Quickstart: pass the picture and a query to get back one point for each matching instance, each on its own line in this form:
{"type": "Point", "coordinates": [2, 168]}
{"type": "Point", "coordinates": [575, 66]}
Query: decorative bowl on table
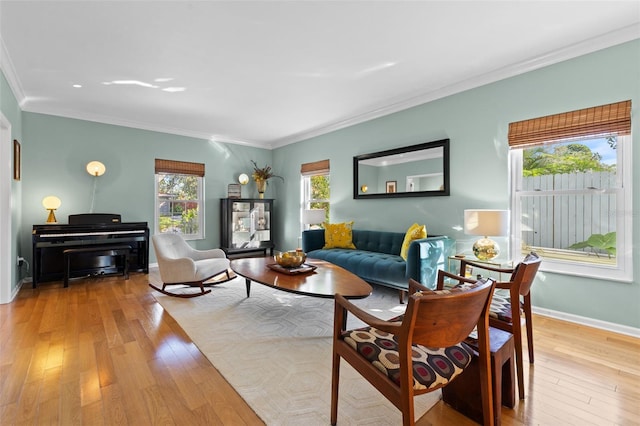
{"type": "Point", "coordinates": [290, 259]}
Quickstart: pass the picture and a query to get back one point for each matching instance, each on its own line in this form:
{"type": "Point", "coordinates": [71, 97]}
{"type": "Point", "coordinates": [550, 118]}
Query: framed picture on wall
{"type": "Point", "coordinates": [391, 186]}
{"type": "Point", "coordinates": [16, 160]}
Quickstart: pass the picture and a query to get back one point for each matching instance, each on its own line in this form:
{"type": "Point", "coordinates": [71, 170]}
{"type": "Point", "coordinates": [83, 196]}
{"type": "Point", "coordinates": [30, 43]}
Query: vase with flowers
{"type": "Point", "coordinates": [261, 176]}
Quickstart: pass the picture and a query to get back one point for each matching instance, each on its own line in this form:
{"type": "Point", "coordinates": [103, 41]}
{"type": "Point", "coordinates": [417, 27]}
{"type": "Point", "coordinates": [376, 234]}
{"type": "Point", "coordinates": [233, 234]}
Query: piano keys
{"type": "Point", "coordinates": [83, 231]}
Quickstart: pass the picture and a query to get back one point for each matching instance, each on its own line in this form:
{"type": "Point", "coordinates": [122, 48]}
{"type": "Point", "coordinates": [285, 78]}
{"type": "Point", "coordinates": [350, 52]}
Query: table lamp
{"type": "Point", "coordinates": [51, 203]}
{"type": "Point", "coordinates": [313, 216]}
{"type": "Point", "coordinates": [486, 223]}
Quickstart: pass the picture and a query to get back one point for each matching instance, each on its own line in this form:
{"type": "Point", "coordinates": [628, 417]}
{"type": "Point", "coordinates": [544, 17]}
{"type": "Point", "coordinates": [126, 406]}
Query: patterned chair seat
{"type": "Point", "coordinates": [501, 305]}
{"type": "Point", "coordinates": [431, 367]}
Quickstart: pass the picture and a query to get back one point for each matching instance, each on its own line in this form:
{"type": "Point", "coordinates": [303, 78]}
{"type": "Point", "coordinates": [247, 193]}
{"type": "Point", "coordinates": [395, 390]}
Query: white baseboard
{"type": "Point", "coordinates": [603, 325]}
{"type": "Point", "coordinates": [16, 290]}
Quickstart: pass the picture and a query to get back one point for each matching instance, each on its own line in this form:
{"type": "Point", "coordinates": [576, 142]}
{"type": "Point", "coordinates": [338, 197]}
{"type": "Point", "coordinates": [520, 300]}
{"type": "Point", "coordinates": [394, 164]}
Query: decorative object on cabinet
{"type": "Point", "coordinates": [246, 225]}
{"type": "Point", "coordinates": [485, 223]}
{"type": "Point", "coordinates": [234, 190]}
{"type": "Point", "coordinates": [262, 176]}
{"type": "Point", "coordinates": [51, 203]}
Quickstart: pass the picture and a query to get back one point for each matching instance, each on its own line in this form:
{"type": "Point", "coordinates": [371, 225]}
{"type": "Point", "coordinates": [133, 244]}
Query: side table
{"type": "Point", "coordinates": [494, 263]}
{"type": "Point", "coordinates": [463, 394]}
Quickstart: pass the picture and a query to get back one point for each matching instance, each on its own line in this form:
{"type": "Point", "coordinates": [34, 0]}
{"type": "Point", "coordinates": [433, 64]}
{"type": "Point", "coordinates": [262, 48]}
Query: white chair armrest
{"type": "Point", "coordinates": [178, 270]}
{"type": "Point", "coordinates": [207, 254]}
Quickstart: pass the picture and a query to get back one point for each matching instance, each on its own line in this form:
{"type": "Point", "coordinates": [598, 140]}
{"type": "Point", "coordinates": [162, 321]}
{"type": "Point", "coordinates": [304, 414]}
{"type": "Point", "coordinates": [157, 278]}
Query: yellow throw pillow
{"type": "Point", "coordinates": [338, 235]}
{"type": "Point", "coordinates": [415, 232]}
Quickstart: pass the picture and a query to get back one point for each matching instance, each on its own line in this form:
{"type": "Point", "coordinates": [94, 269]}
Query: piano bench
{"type": "Point", "coordinates": [122, 250]}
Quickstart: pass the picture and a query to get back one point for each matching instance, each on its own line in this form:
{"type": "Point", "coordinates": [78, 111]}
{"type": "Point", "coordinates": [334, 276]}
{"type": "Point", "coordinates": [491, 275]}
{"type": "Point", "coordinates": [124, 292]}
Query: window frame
{"type": "Point", "coordinates": [623, 270]}
{"type": "Point", "coordinates": [306, 195]}
{"type": "Point", "coordinates": [199, 201]}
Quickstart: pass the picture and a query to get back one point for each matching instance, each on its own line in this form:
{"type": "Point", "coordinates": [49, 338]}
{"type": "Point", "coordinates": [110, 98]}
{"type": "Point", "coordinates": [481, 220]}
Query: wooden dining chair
{"type": "Point", "coordinates": [420, 351]}
{"type": "Point", "coordinates": [506, 315]}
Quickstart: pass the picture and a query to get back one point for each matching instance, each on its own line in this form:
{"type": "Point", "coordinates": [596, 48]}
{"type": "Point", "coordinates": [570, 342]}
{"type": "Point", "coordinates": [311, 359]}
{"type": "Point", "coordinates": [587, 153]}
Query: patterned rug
{"type": "Point", "coordinates": [275, 350]}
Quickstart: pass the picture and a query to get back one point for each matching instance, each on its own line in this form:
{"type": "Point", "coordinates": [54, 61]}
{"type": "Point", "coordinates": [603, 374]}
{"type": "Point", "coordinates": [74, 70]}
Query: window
{"type": "Point", "coordinates": [571, 191]}
{"type": "Point", "coordinates": [179, 190]}
{"type": "Point", "coordinates": [316, 188]}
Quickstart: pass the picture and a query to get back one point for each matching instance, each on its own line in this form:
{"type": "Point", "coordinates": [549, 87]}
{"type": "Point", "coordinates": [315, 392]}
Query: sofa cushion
{"type": "Point", "coordinates": [373, 267]}
{"type": "Point", "coordinates": [415, 232]}
{"type": "Point", "coordinates": [338, 235]}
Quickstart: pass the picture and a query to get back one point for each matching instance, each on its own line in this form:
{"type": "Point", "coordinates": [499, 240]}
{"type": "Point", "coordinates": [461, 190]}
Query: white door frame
{"type": "Point", "coordinates": [6, 178]}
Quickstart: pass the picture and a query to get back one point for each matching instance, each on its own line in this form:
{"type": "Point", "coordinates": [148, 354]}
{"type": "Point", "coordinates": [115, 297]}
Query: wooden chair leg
{"type": "Point", "coordinates": [335, 379]}
{"type": "Point", "coordinates": [517, 338]}
{"type": "Point", "coordinates": [529, 325]}
{"type": "Point", "coordinates": [401, 296]}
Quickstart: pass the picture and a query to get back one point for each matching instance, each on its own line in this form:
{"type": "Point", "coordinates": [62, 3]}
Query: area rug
{"type": "Point", "coordinates": [274, 348]}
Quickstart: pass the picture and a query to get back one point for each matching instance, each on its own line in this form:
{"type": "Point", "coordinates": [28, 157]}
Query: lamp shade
{"type": "Point", "coordinates": [96, 168]}
{"type": "Point", "coordinates": [486, 223]}
{"type": "Point", "coordinates": [243, 179]}
{"type": "Point", "coordinates": [51, 202]}
{"type": "Point", "coordinates": [313, 216]}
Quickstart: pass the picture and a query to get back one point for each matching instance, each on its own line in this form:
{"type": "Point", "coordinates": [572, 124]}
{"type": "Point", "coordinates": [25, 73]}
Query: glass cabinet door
{"type": "Point", "coordinates": [246, 224]}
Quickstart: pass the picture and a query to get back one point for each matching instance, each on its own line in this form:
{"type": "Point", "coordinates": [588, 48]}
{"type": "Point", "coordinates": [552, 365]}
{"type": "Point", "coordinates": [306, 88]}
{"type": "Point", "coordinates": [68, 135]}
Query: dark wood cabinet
{"type": "Point", "coordinates": [246, 225]}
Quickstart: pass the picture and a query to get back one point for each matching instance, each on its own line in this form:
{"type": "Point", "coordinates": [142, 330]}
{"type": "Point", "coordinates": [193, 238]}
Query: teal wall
{"type": "Point", "coordinates": [11, 111]}
{"type": "Point", "coordinates": [56, 150]}
{"type": "Point", "coordinates": [476, 122]}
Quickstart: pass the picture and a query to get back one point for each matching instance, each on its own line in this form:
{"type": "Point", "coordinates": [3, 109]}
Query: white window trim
{"type": "Point", "coordinates": [623, 271]}
{"type": "Point", "coordinates": [201, 216]}
{"type": "Point", "coordinates": [305, 195]}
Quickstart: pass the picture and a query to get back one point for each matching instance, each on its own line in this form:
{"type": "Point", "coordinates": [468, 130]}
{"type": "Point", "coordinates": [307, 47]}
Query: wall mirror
{"type": "Point", "coordinates": [412, 171]}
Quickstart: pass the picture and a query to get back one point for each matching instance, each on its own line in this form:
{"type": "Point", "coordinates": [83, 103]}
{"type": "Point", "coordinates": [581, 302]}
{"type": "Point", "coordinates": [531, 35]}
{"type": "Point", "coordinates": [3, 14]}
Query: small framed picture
{"type": "Point", "coordinates": [16, 160]}
{"type": "Point", "coordinates": [233, 190]}
{"type": "Point", "coordinates": [391, 186]}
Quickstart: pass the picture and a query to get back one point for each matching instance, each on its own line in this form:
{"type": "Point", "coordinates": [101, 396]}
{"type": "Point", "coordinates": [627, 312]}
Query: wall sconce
{"type": "Point", "coordinates": [486, 223]}
{"type": "Point", "coordinates": [51, 203]}
{"type": "Point", "coordinates": [243, 179]}
{"type": "Point", "coordinates": [96, 168]}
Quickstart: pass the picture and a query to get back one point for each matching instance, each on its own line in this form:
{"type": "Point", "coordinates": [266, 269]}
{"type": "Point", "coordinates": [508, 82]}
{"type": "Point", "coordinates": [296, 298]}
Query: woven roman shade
{"type": "Point", "coordinates": [315, 168]}
{"type": "Point", "coordinates": [611, 119]}
{"type": "Point", "coordinates": [179, 167]}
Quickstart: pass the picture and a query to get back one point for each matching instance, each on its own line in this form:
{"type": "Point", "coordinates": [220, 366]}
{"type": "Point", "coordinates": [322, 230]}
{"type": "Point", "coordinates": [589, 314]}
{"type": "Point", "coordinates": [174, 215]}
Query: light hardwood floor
{"type": "Point", "coordinates": [103, 351]}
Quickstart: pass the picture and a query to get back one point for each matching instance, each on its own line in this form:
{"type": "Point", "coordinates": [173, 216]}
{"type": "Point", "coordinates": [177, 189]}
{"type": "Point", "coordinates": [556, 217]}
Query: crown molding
{"type": "Point", "coordinates": [594, 44]}
{"type": "Point", "coordinates": [103, 119]}
{"type": "Point", "coordinates": [6, 65]}
{"type": "Point", "coordinates": [623, 35]}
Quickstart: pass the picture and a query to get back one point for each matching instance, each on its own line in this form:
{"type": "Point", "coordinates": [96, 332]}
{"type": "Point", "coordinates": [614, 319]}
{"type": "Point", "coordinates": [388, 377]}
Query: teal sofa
{"type": "Point", "coordinates": [377, 260]}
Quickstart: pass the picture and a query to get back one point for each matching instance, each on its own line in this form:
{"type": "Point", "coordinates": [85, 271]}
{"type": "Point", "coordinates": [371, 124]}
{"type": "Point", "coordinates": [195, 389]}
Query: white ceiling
{"type": "Point", "coordinates": [269, 73]}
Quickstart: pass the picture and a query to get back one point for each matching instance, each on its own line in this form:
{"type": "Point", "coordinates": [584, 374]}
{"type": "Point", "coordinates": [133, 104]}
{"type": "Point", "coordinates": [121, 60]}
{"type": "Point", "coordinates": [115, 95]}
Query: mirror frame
{"type": "Point", "coordinates": [444, 143]}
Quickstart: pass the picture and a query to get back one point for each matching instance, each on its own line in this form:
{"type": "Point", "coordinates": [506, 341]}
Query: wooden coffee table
{"type": "Point", "coordinates": [325, 281]}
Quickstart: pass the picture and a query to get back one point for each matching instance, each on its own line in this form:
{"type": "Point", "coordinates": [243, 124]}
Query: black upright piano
{"type": "Point", "coordinates": [88, 230]}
